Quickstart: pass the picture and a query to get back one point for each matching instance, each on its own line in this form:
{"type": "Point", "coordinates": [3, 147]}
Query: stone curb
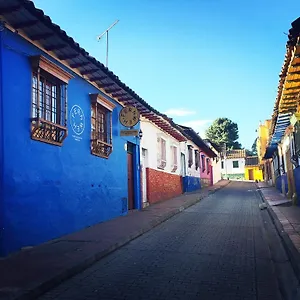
{"type": "Point", "coordinates": [81, 266]}
{"type": "Point", "coordinates": [289, 247]}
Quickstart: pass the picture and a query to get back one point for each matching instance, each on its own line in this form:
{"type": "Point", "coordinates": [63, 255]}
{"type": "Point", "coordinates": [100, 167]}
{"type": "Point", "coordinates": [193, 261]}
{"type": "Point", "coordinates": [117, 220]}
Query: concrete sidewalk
{"type": "Point", "coordinates": [286, 218]}
{"type": "Point", "coordinates": [29, 273]}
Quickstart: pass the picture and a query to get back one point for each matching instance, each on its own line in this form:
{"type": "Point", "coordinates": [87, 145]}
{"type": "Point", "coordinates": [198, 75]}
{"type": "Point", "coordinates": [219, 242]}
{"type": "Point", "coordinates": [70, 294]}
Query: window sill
{"type": "Point", "coordinates": [100, 148]}
{"type": "Point", "coordinates": [161, 165]}
{"type": "Point", "coordinates": [48, 132]}
{"type": "Point", "coordinates": [174, 169]}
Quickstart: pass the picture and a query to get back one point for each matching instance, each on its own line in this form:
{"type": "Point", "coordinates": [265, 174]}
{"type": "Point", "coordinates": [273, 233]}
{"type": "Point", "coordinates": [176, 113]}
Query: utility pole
{"type": "Point", "coordinates": [106, 33]}
{"type": "Point", "coordinates": [225, 162]}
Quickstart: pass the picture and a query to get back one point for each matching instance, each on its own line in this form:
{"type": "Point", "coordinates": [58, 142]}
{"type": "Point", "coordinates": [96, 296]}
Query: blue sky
{"type": "Point", "coordinates": [197, 60]}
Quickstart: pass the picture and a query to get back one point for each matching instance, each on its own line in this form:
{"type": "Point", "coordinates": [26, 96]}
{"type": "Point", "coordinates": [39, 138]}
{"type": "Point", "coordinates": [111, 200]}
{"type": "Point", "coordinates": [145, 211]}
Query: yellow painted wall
{"type": "Point", "coordinates": [257, 173]}
{"type": "Point", "coordinates": [263, 137]}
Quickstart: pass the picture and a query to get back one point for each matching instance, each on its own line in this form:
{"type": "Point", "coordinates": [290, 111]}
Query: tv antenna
{"type": "Point", "coordinates": [106, 33]}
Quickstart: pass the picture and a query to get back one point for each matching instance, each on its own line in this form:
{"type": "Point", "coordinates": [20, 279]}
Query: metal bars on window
{"type": "Point", "coordinates": [190, 156]}
{"type": "Point", "coordinates": [197, 159]}
{"type": "Point", "coordinates": [49, 99]}
{"type": "Point", "coordinates": [297, 139]}
{"type": "Point", "coordinates": [203, 162]}
{"type": "Point", "coordinates": [49, 108]}
{"type": "Point", "coordinates": [101, 140]}
{"type": "Point", "coordinates": [208, 166]}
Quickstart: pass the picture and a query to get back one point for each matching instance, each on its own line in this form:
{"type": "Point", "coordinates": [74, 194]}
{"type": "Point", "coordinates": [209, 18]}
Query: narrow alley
{"type": "Point", "coordinates": [224, 247]}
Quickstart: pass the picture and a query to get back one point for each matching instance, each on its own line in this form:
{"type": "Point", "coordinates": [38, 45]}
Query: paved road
{"type": "Point", "coordinates": [220, 248]}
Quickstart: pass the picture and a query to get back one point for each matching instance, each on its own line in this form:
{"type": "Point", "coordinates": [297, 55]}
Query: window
{"type": "Point", "coordinates": [222, 164]}
{"type": "Point", "coordinates": [294, 157]}
{"type": "Point", "coordinates": [101, 126]}
{"type": "Point", "coordinates": [208, 166]}
{"type": "Point", "coordinates": [49, 101]}
{"type": "Point", "coordinates": [190, 155]}
{"type": "Point", "coordinates": [197, 159]}
{"type": "Point", "coordinates": [282, 166]}
{"type": "Point", "coordinates": [174, 158]}
{"type": "Point", "coordinates": [276, 164]}
{"type": "Point", "coordinates": [161, 153]}
{"type": "Point", "coordinates": [235, 164]}
{"type": "Point", "coordinates": [203, 163]}
{"type": "Point", "coordinates": [297, 138]}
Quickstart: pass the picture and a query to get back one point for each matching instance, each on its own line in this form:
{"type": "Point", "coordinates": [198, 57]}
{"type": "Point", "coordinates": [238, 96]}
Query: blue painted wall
{"type": "Point", "coordinates": [278, 184]}
{"type": "Point", "coordinates": [191, 184]}
{"type": "Point", "coordinates": [48, 190]}
{"type": "Point", "coordinates": [1, 143]}
{"type": "Point", "coordinates": [297, 183]}
{"type": "Point", "coordinates": [285, 183]}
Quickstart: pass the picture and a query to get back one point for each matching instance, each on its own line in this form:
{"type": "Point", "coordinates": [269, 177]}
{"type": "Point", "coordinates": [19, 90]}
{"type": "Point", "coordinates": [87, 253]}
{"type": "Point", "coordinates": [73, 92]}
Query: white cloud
{"type": "Point", "coordinates": [179, 112]}
{"type": "Point", "coordinates": [199, 126]}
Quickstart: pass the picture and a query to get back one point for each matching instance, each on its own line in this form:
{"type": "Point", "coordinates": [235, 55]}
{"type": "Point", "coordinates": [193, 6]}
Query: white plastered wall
{"type": "Point", "coordinates": [228, 166]}
{"type": "Point", "coordinates": [184, 149]}
{"type": "Point", "coordinates": [149, 142]}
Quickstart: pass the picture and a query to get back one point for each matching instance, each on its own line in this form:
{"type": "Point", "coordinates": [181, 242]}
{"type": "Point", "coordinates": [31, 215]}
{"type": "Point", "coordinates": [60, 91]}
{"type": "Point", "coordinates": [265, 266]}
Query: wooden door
{"type": "Point", "coordinates": [250, 173]}
{"type": "Point", "coordinates": [130, 180]}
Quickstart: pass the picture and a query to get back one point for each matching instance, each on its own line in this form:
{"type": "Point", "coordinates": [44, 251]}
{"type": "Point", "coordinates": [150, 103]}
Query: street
{"type": "Point", "coordinates": [224, 247]}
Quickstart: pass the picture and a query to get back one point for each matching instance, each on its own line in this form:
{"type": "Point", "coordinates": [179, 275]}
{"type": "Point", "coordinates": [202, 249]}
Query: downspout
{"type": "Point", "coordinates": [2, 28]}
{"type": "Point", "coordinates": [137, 177]}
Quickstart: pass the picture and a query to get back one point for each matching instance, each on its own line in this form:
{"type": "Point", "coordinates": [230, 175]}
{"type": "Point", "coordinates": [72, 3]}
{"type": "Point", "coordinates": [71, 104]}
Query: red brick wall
{"type": "Point", "coordinates": [162, 186]}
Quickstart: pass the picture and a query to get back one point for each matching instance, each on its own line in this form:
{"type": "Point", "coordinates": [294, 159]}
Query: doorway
{"type": "Point", "coordinates": [250, 174]}
{"type": "Point", "coordinates": [130, 176]}
{"type": "Point", "coordinates": [183, 169]}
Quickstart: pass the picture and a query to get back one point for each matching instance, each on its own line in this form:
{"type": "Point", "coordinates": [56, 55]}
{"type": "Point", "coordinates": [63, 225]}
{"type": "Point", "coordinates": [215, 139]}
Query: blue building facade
{"type": "Point", "coordinates": [196, 162]}
{"type": "Point", "coordinates": [49, 189]}
{"type": "Point", "coordinates": [191, 184]}
{"type": "Point", "coordinates": [297, 182]}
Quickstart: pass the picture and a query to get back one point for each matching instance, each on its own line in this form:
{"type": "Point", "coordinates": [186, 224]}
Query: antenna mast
{"type": "Point", "coordinates": [106, 33]}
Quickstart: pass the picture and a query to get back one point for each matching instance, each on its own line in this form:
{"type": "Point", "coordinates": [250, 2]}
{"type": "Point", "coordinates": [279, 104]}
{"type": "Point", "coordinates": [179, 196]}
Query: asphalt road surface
{"type": "Point", "coordinates": [224, 247]}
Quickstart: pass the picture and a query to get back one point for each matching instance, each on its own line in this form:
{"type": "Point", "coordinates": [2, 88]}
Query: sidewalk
{"type": "Point", "coordinates": [286, 218]}
{"type": "Point", "coordinates": [31, 272]}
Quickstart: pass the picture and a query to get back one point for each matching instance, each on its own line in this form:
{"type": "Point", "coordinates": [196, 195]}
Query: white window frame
{"type": "Point", "coordinates": [161, 153]}
{"type": "Point", "coordinates": [174, 155]}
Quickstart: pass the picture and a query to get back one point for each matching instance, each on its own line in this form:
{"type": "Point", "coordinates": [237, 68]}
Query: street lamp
{"type": "Point", "coordinates": [140, 134]}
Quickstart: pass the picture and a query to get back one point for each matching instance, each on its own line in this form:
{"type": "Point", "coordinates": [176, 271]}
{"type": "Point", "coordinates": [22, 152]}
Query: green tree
{"type": "Point", "coordinates": [222, 131]}
{"type": "Point", "coordinates": [253, 148]}
{"type": "Point", "coordinates": [253, 151]}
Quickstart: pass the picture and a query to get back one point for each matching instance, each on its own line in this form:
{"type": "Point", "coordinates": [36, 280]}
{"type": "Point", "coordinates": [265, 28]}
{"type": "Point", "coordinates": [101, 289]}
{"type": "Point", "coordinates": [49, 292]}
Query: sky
{"type": "Point", "coordinates": [196, 60]}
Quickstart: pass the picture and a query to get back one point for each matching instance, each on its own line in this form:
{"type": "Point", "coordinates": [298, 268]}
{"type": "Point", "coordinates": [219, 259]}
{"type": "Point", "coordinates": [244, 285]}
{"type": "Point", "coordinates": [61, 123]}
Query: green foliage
{"type": "Point", "coordinates": [223, 130]}
{"type": "Point", "coordinates": [253, 148]}
{"type": "Point", "coordinates": [253, 151]}
{"type": "Point", "coordinates": [249, 152]}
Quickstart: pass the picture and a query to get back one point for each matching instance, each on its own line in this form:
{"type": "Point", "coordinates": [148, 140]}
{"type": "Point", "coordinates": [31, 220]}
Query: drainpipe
{"type": "Point", "coordinates": [2, 28]}
{"type": "Point", "coordinates": [137, 177]}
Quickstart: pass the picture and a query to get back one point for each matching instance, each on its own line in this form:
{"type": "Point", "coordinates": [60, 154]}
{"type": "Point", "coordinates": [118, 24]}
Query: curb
{"type": "Point", "coordinates": [288, 245]}
{"type": "Point", "coordinates": [81, 266]}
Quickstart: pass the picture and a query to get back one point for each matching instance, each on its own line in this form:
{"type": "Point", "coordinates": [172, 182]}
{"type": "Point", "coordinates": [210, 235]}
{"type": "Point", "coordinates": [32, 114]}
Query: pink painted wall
{"type": "Point", "coordinates": [206, 170]}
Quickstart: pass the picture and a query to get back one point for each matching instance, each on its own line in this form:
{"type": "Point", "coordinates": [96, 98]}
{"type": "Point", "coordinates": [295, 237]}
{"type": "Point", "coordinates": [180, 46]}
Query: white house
{"type": "Point", "coordinates": [160, 163]}
{"type": "Point", "coordinates": [199, 157]}
{"type": "Point", "coordinates": [190, 166]}
{"type": "Point", "coordinates": [173, 161]}
{"type": "Point", "coordinates": [233, 164]}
